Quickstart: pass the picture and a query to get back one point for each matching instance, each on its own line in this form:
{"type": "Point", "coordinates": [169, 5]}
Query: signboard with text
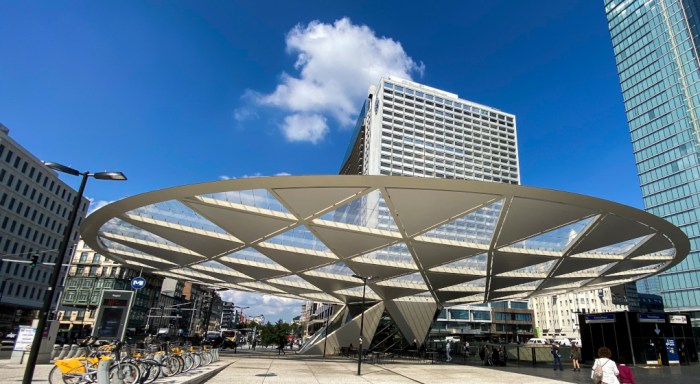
{"type": "Point", "coordinates": [600, 318]}
{"type": "Point", "coordinates": [672, 351]}
{"type": "Point", "coordinates": [652, 318]}
{"type": "Point", "coordinates": [24, 339]}
{"type": "Point", "coordinates": [677, 319]}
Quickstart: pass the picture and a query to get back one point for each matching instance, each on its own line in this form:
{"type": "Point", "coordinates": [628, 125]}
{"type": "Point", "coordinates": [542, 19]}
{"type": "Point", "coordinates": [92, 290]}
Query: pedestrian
{"type": "Point", "coordinates": [556, 357]}
{"type": "Point", "coordinates": [482, 353]}
{"type": "Point", "coordinates": [604, 370]}
{"type": "Point", "coordinates": [466, 349]}
{"type": "Point", "coordinates": [255, 342]}
{"type": "Point", "coordinates": [496, 357]}
{"type": "Point", "coordinates": [448, 348]}
{"type": "Point", "coordinates": [576, 356]}
{"type": "Point", "coordinates": [281, 344]}
{"type": "Point", "coordinates": [625, 376]}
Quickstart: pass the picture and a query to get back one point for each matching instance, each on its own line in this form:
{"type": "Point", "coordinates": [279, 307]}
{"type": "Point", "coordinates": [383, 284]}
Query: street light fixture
{"type": "Point", "coordinates": [362, 317]}
{"type": "Point", "coordinates": [48, 297]}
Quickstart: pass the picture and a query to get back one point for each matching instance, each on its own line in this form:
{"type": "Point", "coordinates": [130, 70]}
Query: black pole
{"type": "Point", "coordinates": [48, 297]}
{"type": "Point", "coordinates": [362, 323]}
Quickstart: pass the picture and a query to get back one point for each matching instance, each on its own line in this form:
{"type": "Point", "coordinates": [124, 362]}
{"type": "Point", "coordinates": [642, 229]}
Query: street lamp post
{"type": "Point", "coordinates": [48, 297]}
{"type": "Point", "coordinates": [362, 317]}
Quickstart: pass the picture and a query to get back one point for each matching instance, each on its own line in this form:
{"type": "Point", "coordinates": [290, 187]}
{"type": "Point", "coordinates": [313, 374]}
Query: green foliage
{"type": "Point", "coordinates": [270, 334]}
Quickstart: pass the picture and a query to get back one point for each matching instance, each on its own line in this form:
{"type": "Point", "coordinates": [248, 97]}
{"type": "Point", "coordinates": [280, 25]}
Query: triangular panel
{"type": "Point", "coordinates": [555, 240]}
{"type": "Point", "coordinates": [346, 243]}
{"type": "Point", "coordinates": [529, 217]}
{"type": "Point", "coordinates": [388, 293]}
{"type": "Point", "coordinates": [600, 235]}
{"type": "Point", "coordinates": [508, 261]}
{"type": "Point", "coordinates": [475, 227]}
{"type": "Point", "coordinates": [299, 237]}
{"type": "Point", "coordinates": [412, 316]}
{"type": "Point", "coordinates": [419, 210]}
{"type": "Point", "coordinates": [439, 280]}
{"type": "Point", "coordinates": [657, 243]}
{"type": "Point", "coordinates": [309, 201]}
{"type": "Point", "coordinates": [294, 261]}
{"type": "Point", "coordinates": [470, 265]}
{"type": "Point", "coordinates": [576, 264]}
{"type": "Point", "coordinates": [257, 198]}
{"type": "Point", "coordinates": [430, 255]}
{"type": "Point", "coordinates": [205, 245]}
{"type": "Point", "coordinates": [368, 211]}
{"type": "Point", "coordinates": [500, 282]}
{"type": "Point", "coordinates": [397, 255]}
{"type": "Point", "coordinates": [246, 226]}
{"type": "Point", "coordinates": [379, 270]}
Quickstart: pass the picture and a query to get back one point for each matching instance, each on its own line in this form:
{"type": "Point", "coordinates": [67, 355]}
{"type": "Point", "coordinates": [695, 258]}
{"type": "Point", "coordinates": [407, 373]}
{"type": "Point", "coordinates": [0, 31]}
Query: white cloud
{"type": "Point", "coordinates": [300, 127]}
{"type": "Point", "coordinates": [256, 174]}
{"type": "Point", "coordinates": [244, 114]}
{"type": "Point", "coordinates": [336, 63]}
{"type": "Point", "coordinates": [272, 307]}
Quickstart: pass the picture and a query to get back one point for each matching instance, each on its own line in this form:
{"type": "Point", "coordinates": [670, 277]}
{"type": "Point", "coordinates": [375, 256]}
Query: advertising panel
{"type": "Point", "coordinates": [672, 351]}
{"type": "Point", "coordinates": [25, 336]}
{"type": "Point", "coordinates": [652, 318]}
{"type": "Point", "coordinates": [112, 315]}
{"type": "Point", "coordinates": [677, 319]}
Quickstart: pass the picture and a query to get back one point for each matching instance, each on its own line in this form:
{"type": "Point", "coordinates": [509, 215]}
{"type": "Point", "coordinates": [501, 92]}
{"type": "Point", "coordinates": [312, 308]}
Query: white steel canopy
{"type": "Point", "coordinates": [429, 240]}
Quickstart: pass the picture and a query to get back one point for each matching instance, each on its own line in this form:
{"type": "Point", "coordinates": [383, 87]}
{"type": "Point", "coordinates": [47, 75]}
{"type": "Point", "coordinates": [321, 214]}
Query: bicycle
{"type": "Point", "coordinates": [79, 370]}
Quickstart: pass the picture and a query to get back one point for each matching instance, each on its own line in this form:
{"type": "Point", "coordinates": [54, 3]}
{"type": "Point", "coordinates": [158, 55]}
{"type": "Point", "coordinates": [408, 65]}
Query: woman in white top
{"type": "Point", "coordinates": [609, 367]}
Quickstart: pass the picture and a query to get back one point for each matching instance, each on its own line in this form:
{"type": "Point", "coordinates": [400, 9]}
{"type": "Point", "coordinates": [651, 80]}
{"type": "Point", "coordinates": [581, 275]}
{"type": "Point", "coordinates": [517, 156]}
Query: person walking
{"type": "Point", "coordinates": [556, 357]}
{"type": "Point", "coordinates": [625, 376]}
{"type": "Point", "coordinates": [448, 348]}
{"type": "Point", "coordinates": [575, 356]}
{"type": "Point", "coordinates": [282, 343]}
{"type": "Point", "coordinates": [604, 370]}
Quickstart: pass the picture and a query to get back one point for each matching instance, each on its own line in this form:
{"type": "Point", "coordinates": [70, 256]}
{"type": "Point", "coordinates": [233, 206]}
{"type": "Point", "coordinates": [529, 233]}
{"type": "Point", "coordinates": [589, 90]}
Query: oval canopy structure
{"type": "Point", "coordinates": [433, 240]}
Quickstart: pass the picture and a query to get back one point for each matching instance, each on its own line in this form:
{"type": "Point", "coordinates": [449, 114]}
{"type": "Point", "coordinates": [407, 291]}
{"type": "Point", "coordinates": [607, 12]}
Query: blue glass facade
{"type": "Point", "coordinates": [655, 43]}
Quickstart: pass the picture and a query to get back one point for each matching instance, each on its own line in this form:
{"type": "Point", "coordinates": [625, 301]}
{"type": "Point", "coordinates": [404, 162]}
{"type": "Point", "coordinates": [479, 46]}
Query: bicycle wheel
{"type": "Point", "coordinates": [189, 362]}
{"type": "Point", "coordinates": [126, 371]}
{"type": "Point", "coordinates": [197, 358]}
{"type": "Point", "coordinates": [75, 376]}
{"type": "Point", "coordinates": [206, 357]}
{"type": "Point", "coordinates": [181, 364]}
{"type": "Point", "coordinates": [171, 366]}
{"type": "Point", "coordinates": [150, 370]}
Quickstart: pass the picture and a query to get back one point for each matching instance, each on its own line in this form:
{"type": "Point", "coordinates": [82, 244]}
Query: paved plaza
{"type": "Point", "coordinates": [266, 366]}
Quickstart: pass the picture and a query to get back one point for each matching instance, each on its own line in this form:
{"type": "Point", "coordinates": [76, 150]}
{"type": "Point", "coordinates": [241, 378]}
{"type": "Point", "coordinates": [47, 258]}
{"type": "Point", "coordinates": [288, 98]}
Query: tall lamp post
{"type": "Point", "coordinates": [48, 297]}
{"type": "Point", "coordinates": [362, 317]}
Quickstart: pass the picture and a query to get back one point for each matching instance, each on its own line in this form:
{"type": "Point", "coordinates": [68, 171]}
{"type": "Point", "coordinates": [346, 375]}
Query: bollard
{"type": "Point", "coordinates": [118, 377]}
{"type": "Point", "coordinates": [216, 354]}
{"type": "Point", "coordinates": [534, 357]}
{"type": "Point", "coordinates": [55, 352]}
{"type": "Point", "coordinates": [64, 352]}
{"type": "Point", "coordinates": [73, 351]}
{"type": "Point", "coordinates": [103, 371]}
{"type": "Point", "coordinates": [82, 352]}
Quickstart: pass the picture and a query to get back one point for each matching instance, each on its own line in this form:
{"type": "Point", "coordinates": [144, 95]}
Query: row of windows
{"type": "Point", "coordinates": [664, 157]}
{"type": "Point", "coordinates": [420, 94]}
{"type": "Point", "coordinates": [667, 124]}
{"type": "Point", "coordinates": [630, 15]}
{"type": "Point", "coordinates": [56, 188]}
{"type": "Point", "coordinates": [460, 150]}
{"type": "Point", "coordinates": [672, 194]}
{"type": "Point", "coordinates": [673, 207]}
{"type": "Point", "coordinates": [20, 270]}
{"type": "Point", "coordinates": [507, 316]}
{"type": "Point", "coordinates": [59, 209]}
{"type": "Point", "coordinates": [668, 169]}
{"type": "Point", "coordinates": [401, 169]}
{"type": "Point", "coordinates": [432, 155]}
{"type": "Point", "coordinates": [680, 299]}
{"type": "Point", "coordinates": [429, 126]}
{"type": "Point", "coordinates": [22, 291]}
{"type": "Point", "coordinates": [690, 263]}
{"type": "Point", "coordinates": [671, 181]}
{"type": "Point", "coordinates": [36, 236]}
{"type": "Point", "coordinates": [438, 111]}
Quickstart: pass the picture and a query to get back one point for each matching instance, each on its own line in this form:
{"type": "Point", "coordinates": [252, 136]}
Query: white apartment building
{"type": "Point", "coordinates": [34, 209]}
{"type": "Point", "coordinates": [409, 129]}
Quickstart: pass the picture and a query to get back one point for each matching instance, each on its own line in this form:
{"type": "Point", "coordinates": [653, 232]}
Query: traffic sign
{"type": "Point", "coordinates": [138, 282]}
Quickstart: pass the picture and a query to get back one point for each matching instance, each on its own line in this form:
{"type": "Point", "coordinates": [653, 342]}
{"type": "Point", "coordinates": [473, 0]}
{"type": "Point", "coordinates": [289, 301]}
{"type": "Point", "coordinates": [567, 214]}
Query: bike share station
{"type": "Point", "coordinates": [641, 338]}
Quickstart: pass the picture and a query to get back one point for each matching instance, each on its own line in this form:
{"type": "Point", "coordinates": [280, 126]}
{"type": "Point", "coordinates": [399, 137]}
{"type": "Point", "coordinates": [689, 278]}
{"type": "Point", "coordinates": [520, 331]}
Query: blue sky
{"type": "Point", "coordinates": [178, 92]}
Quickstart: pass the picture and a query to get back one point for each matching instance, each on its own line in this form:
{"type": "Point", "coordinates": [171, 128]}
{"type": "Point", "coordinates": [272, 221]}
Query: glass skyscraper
{"type": "Point", "coordinates": [656, 44]}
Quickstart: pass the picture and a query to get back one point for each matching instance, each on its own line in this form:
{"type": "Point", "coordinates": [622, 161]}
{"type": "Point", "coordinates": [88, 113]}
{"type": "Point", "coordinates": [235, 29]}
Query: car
{"type": "Point", "coordinates": [537, 341]}
{"type": "Point", "coordinates": [563, 342]}
{"type": "Point", "coordinates": [214, 338]}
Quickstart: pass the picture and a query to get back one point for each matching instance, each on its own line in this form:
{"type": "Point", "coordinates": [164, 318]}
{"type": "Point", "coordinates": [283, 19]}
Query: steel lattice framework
{"type": "Point", "coordinates": [444, 242]}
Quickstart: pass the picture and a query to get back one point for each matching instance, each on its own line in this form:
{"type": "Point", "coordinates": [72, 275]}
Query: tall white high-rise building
{"type": "Point", "coordinates": [409, 129]}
